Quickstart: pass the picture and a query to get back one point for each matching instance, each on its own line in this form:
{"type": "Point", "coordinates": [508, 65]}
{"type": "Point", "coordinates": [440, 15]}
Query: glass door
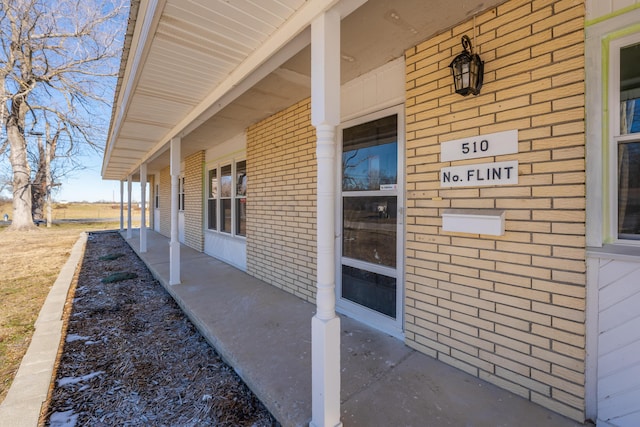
{"type": "Point", "coordinates": [370, 278]}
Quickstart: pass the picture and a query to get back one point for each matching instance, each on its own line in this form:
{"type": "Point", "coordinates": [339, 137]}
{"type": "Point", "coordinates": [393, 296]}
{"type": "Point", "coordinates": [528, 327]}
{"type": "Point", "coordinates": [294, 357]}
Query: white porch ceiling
{"type": "Point", "coordinates": [210, 68]}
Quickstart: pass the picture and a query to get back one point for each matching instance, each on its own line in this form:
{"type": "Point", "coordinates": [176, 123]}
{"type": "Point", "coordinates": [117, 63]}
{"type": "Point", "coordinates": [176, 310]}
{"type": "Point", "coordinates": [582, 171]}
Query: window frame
{"type": "Point", "coordinates": [212, 199]}
{"type": "Point", "coordinates": [237, 199]}
{"type": "Point", "coordinates": [233, 198]}
{"type": "Point", "coordinates": [222, 199]}
{"type": "Point", "coordinates": [392, 326]}
{"type": "Point", "coordinates": [181, 193]}
{"type": "Point", "coordinates": [156, 196]}
{"type": "Point", "coordinates": [615, 138]}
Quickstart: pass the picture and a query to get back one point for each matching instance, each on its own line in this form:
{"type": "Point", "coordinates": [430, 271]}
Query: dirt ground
{"type": "Point", "coordinates": [131, 357]}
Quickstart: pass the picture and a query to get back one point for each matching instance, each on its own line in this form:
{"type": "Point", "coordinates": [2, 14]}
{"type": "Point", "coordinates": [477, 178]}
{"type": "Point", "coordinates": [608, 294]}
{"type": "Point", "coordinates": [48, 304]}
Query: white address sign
{"type": "Point", "coordinates": [492, 144]}
{"type": "Point", "coordinates": [481, 174]}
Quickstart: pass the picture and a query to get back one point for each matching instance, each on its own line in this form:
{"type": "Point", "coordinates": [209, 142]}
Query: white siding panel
{"type": "Point", "coordinates": [619, 343]}
{"type": "Point", "coordinates": [226, 248]}
{"type": "Point", "coordinates": [615, 271]}
{"type": "Point", "coordinates": [618, 360]}
{"type": "Point", "coordinates": [619, 406]}
{"type": "Point", "coordinates": [622, 381]}
{"type": "Point", "coordinates": [378, 89]}
{"type": "Point", "coordinates": [622, 335]}
{"type": "Point", "coordinates": [629, 420]}
{"type": "Point", "coordinates": [625, 310]}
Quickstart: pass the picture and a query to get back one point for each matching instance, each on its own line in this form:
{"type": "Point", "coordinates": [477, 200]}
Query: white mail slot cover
{"type": "Point", "coordinates": [476, 221]}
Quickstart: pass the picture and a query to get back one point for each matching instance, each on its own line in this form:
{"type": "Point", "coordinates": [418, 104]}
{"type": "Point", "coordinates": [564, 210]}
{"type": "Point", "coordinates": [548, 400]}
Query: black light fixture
{"type": "Point", "coordinates": [467, 70]}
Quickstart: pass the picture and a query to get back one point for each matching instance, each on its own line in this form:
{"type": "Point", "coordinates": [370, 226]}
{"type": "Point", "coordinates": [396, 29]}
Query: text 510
{"type": "Point", "coordinates": [475, 147]}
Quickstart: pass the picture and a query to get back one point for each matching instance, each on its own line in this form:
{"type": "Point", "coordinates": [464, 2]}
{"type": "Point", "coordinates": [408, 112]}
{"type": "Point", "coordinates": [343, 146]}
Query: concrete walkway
{"type": "Point", "coordinates": [265, 335]}
{"type": "Point", "coordinates": [23, 403]}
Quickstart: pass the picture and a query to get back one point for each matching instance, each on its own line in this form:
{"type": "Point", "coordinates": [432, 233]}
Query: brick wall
{"type": "Point", "coordinates": [194, 199]}
{"type": "Point", "coordinates": [165, 202]}
{"type": "Point", "coordinates": [281, 209]}
{"type": "Point", "coordinates": [508, 309]}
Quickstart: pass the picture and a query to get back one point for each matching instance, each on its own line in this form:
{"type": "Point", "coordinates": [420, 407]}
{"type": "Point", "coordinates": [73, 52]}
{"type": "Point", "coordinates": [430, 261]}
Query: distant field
{"type": "Point", "coordinates": [100, 211]}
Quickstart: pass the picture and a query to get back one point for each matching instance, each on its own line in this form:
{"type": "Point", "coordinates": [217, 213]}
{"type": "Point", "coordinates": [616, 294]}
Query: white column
{"type": "Point", "coordinates": [121, 205]}
{"type": "Point", "coordinates": [129, 183]}
{"type": "Point", "coordinates": [325, 116]}
{"type": "Point", "coordinates": [143, 210]}
{"type": "Point", "coordinates": [174, 245]}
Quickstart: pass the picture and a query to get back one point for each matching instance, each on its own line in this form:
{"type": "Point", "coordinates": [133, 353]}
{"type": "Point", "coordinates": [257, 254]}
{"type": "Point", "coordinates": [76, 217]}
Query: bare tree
{"type": "Point", "coordinates": [58, 60]}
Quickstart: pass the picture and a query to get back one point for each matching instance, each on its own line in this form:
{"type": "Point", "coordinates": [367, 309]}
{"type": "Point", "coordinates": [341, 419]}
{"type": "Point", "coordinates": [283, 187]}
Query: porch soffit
{"type": "Point", "coordinates": [201, 50]}
{"type": "Point", "coordinates": [193, 48]}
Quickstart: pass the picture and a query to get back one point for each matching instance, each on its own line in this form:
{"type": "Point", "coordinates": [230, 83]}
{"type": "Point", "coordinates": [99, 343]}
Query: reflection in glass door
{"type": "Point", "coordinates": [370, 282]}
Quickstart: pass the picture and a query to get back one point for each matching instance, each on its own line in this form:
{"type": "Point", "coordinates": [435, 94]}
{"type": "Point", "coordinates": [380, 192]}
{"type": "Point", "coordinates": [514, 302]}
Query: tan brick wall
{"type": "Point", "coordinates": [281, 201]}
{"type": "Point", "coordinates": [508, 309]}
{"type": "Point", "coordinates": [165, 202]}
{"type": "Point", "coordinates": [194, 199]}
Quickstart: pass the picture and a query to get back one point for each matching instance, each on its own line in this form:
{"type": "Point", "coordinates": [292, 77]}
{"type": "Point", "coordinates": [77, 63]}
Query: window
{"type": "Point", "coordinates": [227, 199]}
{"type": "Point", "coordinates": [156, 196]}
{"type": "Point", "coordinates": [212, 200]}
{"type": "Point", "coordinates": [625, 146]}
{"type": "Point", "coordinates": [226, 190]}
{"type": "Point", "coordinates": [241, 198]}
{"type": "Point", "coordinates": [181, 193]}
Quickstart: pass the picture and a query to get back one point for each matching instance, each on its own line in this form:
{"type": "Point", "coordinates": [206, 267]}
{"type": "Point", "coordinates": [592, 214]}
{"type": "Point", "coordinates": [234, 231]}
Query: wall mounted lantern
{"type": "Point", "coordinates": [467, 70]}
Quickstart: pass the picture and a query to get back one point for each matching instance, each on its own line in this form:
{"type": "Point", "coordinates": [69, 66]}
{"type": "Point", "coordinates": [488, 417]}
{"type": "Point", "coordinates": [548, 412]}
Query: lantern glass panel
{"type": "Point", "coordinates": [466, 74]}
{"type": "Point", "coordinates": [474, 75]}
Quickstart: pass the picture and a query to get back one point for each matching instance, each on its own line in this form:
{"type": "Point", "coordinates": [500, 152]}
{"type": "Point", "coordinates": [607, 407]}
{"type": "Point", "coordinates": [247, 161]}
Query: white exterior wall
{"type": "Point", "coordinates": [227, 248]}
{"type": "Point", "coordinates": [613, 302]}
{"type": "Point", "coordinates": [618, 331]}
{"type": "Point", "coordinates": [374, 91]}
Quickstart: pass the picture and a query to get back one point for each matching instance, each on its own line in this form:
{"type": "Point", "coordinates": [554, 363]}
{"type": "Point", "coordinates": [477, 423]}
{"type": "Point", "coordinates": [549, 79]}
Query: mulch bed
{"type": "Point", "coordinates": [131, 357]}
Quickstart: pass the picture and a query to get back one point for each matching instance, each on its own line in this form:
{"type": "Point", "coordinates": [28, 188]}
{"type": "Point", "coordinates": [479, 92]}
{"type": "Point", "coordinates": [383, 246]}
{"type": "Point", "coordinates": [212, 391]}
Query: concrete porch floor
{"type": "Point", "coordinates": [264, 333]}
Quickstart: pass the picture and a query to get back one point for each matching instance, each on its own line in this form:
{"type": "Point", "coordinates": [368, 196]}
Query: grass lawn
{"type": "Point", "coordinates": [30, 263]}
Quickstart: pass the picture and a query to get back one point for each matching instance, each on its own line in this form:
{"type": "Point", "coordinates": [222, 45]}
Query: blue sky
{"type": "Point", "coordinates": [87, 185]}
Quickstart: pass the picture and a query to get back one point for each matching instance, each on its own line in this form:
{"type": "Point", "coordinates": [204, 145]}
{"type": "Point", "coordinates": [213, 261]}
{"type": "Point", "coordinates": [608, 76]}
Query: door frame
{"type": "Point", "coordinates": [349, 308]}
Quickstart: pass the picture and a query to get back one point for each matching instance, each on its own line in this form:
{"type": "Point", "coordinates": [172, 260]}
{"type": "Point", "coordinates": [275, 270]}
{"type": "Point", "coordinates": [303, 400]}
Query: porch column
{"type": "Point", "coordinates": [325, 116]}
{"type": "Point", "coordinates": [174, 245]}
{"type": "Point", "coordinates": [143, 210]}
{"type": "Point", "coordinates": [129, 183]}
{"type": "Point", "coordinates": [121, 205]}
